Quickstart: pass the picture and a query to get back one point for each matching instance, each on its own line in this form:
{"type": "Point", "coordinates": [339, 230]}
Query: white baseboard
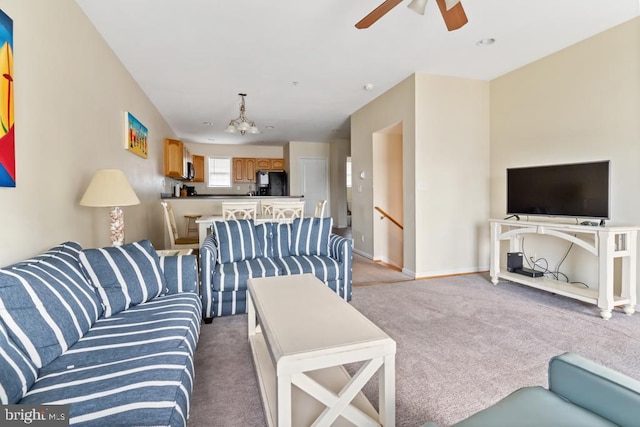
{"type": "Point", "coordinates": [409, 273]}
{"type": "Point", "coordinates": [389, 262]}
{"type": "Point", "coordinates": [451, 272]}
{"type": "Point", "coordinates": [364, 254]}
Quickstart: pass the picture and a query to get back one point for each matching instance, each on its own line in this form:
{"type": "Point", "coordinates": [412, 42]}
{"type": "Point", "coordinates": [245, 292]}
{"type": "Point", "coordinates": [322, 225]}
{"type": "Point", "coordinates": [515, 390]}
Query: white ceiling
{"type": "Point", "coordinates": [193, 57]}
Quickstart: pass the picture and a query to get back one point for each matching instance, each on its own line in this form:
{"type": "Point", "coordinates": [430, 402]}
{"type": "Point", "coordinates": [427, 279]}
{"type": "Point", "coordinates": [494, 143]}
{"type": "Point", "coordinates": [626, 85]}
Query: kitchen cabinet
{"type": "Point", "coordinates": [175, 158]}
{"type": "Point", "coordinates": [244, 169]}
{"type": "Point", "coordinates": [198, 166]}
{"type": "Point", "coordinates": [277, 164]}
{"type": "Point", "coordinates": [263, 164]}
{"type": "Point", "coordinates": [269, 164]}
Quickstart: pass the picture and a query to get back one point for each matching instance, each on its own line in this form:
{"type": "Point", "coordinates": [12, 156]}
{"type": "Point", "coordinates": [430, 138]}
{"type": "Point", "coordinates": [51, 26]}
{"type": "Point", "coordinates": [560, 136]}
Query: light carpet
{"type": "Point", "coordinates": [462, 344]}
{"type": "Point", "coordinates": [367, 272]}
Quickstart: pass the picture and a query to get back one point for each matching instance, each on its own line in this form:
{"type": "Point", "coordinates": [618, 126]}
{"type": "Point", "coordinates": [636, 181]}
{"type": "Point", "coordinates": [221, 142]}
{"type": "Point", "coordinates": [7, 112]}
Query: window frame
{"type": "Point", "coordinates": [228, 183]}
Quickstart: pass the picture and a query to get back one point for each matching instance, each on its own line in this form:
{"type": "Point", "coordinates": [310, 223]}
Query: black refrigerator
{"type": "Point", "coordinates": [272, 183]}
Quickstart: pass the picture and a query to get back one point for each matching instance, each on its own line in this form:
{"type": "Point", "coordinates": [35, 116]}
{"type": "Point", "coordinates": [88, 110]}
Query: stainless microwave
{"type": "Point", "coordinates": [191, 172]}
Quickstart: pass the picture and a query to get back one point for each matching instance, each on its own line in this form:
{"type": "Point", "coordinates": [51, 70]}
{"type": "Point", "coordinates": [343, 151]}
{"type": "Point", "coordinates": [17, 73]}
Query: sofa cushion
{"type": "Point", "coordinates": [151, 389]}
{"type": "Point", "coordinates": [264, 231]}
{"type": "Point", "coordinates": [47, 304]}
{"type": "Point", "coordinates": [310, 236]}
{"type": "Point", "coordinates": [323, 267]}
{"type": "Point", "coordinates": [281, 240]}
{"type": "Point", "coordinates": [237, 240]}
{"type": "Point", "coordinates": [167, 323]}
{"type": "Point", "coordinates": [234, 275]}
{"type": "Point", "coordinates": [124, 275]}
{"type": "Point", "coordinates": [18, 372]}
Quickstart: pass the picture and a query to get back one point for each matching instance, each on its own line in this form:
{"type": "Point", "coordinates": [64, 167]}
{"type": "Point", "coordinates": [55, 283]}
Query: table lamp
{"type": "Point", "coordinates": [111, 188]}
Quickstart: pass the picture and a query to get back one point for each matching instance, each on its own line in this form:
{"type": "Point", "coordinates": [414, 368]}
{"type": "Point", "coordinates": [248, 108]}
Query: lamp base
{"type": "Point", "coordinates": [117, 226]}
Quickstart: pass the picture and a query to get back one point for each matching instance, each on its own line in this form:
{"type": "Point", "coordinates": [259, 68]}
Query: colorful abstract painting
{"type": "Point", "coordinates": [136, 136]}
{"type": "Point", "coordinates": [7, 141]}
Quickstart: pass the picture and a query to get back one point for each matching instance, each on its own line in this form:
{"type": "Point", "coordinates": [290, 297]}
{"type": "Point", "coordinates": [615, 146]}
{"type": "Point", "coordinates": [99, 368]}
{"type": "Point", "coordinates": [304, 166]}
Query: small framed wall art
{"type": "Point", "coordinates": [7, 141]}
{"type": "Point", "coordinates": [136, 136]}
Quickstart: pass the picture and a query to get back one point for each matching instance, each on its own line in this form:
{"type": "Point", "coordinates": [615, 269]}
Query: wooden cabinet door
{"type": "Point", "coordinates": [250, 171]}
{"type": "Point", "coordinates": [269, 164]}
{"type": "Point", "coordinates": [277, 164]}
{"type": "Point", "coordinates": [263, 164]}
{"type": "Point", "coordinates": [174, 166]}
{"type": "Point", "coordinates": [239, 169]}
{"type": "Point", "coordinates": [198, 166]}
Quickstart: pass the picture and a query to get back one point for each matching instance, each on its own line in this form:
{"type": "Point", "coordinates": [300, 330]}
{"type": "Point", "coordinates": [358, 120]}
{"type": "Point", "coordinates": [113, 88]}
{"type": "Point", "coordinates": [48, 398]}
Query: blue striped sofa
{"type": "Point", "coordinates": [110, 332]}
{"type": "Point", "coordinates": [238, 250]}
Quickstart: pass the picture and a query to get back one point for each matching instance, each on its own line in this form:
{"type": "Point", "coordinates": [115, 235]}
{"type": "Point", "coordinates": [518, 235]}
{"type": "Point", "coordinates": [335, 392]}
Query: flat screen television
{"type": "Point", "coordinates": [568, 190]}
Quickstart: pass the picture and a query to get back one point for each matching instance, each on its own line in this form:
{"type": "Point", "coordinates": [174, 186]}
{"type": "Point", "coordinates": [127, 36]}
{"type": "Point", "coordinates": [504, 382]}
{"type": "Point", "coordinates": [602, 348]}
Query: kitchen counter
{"type": "Point", "coordinates": [167, 196]}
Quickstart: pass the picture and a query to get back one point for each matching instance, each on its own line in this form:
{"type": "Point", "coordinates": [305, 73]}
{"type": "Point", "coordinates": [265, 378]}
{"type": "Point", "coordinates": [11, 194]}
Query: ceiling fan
{"type": "Point", "coordinates": [451, 10]}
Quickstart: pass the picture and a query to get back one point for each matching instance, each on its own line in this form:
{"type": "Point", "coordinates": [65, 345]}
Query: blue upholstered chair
{"type": "Point", "coordinates": [239, 250]}
{"type": "Point", "coordinates": [581, 393]}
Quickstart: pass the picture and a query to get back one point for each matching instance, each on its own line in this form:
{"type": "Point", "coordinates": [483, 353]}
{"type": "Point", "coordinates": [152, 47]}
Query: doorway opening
{"type": "Point", "coordinates": [388, 196]}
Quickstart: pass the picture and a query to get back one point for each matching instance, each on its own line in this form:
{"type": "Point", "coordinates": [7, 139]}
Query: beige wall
{"type": "Point", "coordinates": [580, 104]}
{"type": "Point", "coordinates": [452, 166]}
{"type": "Point", "coordinates": [397, 105]}
{"type": "Point", "coordinates": [70, 96]}
{"type": "Point", "coordinates": [340, 150]}
{"type": "Point", "coordinates": [445, 131]}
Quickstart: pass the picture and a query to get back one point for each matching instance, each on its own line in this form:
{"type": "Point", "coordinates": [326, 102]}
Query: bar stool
{"type": "Point", "coordinates": [191, 224]}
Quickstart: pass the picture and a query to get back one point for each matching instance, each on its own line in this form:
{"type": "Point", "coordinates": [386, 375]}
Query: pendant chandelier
{"type": "Point", "coordinates": [242, 124]}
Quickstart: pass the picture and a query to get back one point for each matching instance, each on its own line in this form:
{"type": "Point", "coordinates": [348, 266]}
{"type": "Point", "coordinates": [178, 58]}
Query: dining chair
{"type": "Point", "coordinates": [266, 208]}
{"type": "Point", "coordinates": [177, 242]}
{"type": "Point", "coordinates": [319, 212]}
{"type": "Point", "coordinates": [286, 212]}
{"type": "Point", "coordinates": [239, 210]}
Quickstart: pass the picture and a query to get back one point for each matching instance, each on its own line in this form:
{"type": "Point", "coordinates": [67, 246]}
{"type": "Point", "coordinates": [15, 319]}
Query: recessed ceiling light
{"type": "Point", "coordinates": [368, 86]}
{"type": "Point", "coordinates": [295, 83]}
{"type": "Point", "coordinates": [207, 123]}
{"type": "Point", "coordinates": [485, 42]}
{"type": "Point", "coordinates": [269, 127]}
{"type": "Point", "coordinates": [211, 139]}
{"type": "Point", "coordinates": [335, 131]}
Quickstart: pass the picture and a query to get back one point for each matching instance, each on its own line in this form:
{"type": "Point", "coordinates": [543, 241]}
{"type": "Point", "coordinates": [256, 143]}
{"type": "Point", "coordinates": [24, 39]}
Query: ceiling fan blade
{"type": "Point", "coordinates": [455, 17]}
{"type": "Point", "coordinates": [377, 13]}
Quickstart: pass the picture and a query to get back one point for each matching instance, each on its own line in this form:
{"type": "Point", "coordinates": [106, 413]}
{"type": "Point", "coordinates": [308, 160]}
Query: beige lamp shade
{"type": "Point", "coordinates": [109, 188]}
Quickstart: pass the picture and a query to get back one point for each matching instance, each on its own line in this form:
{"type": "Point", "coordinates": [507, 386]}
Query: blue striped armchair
{"type": "Point", "coordinates": [239, 250]}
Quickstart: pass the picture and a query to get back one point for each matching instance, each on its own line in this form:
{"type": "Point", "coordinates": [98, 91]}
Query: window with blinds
{"type": "Point", "coordinates": [219, 172]}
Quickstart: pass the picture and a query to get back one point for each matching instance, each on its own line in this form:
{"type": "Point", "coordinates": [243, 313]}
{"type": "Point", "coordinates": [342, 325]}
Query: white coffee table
{"type": "Point", "coordinates": [301, 333]}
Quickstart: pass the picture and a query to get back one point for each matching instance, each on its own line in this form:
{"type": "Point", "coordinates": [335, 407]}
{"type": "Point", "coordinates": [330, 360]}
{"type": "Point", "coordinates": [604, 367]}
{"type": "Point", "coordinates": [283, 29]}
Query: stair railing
{"type": "Point", "coordinates": [389, 217]}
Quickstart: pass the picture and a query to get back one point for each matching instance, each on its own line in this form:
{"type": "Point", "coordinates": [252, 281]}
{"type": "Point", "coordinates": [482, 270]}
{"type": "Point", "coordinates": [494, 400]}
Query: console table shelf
{"type": "Point", "coordinates": [605, 243]}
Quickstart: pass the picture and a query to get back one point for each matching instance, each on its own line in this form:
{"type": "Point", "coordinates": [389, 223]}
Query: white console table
{"type": "Point", "coordinates": [605, 243]}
